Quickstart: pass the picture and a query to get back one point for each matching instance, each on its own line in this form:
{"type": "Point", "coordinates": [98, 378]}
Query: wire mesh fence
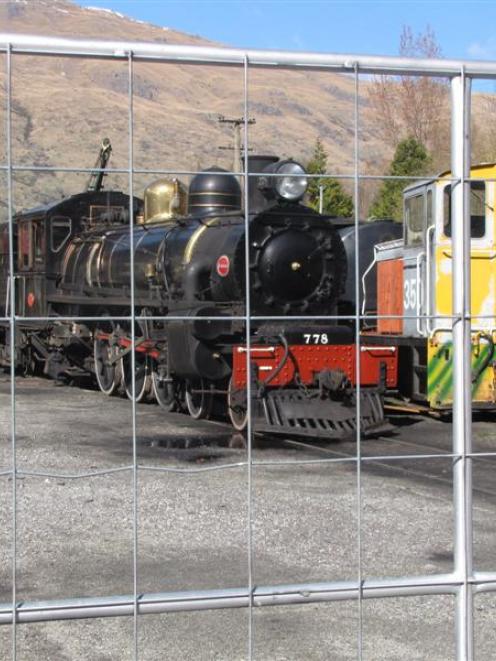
{"type": "Point", "coordinates": [465, 582]}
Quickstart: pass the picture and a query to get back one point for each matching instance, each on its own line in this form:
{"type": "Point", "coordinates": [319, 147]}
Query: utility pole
{"type": "Point", "coordinates": [236, 123]}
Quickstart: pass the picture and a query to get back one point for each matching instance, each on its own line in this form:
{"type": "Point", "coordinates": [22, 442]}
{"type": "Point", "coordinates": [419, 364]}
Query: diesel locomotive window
{"type": "Point", "coordinates": [414, 218]}
{"type": "Point", "coordinates": [60, 232]}
{"type": "Point", "coordinates": [477, 210]}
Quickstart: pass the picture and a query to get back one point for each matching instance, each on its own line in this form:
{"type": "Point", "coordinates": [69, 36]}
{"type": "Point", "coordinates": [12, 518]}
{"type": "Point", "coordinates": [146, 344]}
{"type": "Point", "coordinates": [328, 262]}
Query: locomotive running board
{"type": "Point", "coordinates": [291, 412]}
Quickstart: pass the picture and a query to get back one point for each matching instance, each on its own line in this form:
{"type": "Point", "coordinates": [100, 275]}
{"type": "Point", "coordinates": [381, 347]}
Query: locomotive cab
{"type": "Point", "coordinates": [31, 264]}
{"type": "Point", "coordinates": [42, 235]}
{"type": "Point", "coordinates": [45, 242]}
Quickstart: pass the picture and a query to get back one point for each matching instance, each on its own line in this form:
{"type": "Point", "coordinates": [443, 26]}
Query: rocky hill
{"type": "Point", "coordinates": [62, 107]}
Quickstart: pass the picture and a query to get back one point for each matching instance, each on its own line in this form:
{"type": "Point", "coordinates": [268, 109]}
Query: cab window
{"type": "Point", "coordinates": [477, 210]}
{"type": "Point", "coordinates": [38, 243]}
{"type": "Point", "coordinates": [25, 261]}
{"type": "Point", "coordinates": [31, 243]}
{"type": "Point", "coordinates": [60, 232]}
{"type": "Point", "coordinates": [414, 217]}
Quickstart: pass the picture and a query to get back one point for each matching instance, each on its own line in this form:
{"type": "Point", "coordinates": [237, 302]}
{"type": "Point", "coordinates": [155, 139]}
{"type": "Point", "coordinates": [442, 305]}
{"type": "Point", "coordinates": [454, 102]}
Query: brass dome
{"type": "Point", "coordinates": [164, 199]}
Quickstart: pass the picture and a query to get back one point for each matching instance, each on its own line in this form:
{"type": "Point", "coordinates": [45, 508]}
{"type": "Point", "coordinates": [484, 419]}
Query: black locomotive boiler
{"type": "Point", "coordinates": [77, 261]}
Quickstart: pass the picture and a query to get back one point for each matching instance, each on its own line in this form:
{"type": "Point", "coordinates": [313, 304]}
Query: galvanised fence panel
{"type": "Point", "coordinates": [465, 581]}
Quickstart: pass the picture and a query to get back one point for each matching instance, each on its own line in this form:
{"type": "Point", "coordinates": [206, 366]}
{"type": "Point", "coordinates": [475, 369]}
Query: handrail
{"type": "Point", "coordinates": [428, 266]}
{"type": "Point", "coordinates": [7, 297]}
{"type": "Point", "coordinates": [367, 271]}
{"type": "Point", "coordinates": [419, 291]}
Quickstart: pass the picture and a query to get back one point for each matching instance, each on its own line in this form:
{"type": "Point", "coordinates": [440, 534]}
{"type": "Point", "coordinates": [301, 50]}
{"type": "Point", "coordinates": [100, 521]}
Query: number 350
{"type": "Point", "coordinates": [410, 293]}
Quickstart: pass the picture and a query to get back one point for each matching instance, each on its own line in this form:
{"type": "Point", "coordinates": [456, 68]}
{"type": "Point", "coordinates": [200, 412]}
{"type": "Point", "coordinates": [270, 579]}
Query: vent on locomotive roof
{"type": "Point", "coordinates": [211, 191]}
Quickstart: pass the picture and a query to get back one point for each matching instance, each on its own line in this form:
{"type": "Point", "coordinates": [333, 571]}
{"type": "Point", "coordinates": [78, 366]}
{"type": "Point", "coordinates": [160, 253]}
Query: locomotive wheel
{"type": "Point", "coordinates": [199, 405]}
{"type": "Point", "coordinates": [143, 376]}
{"type": "Point", "coordinates": [236, 406]}
{"type": "Point", "coordinates": [164, 392]}
{"type": "Point", "coordinates": [108, 374]}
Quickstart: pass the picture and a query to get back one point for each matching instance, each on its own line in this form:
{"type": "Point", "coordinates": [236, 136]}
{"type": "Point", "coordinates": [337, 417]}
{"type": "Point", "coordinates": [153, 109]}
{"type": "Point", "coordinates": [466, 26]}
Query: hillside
{"type": "Point", "coordinates": [64, 106]}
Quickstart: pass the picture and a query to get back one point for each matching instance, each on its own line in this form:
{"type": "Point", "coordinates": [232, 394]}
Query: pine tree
{"type": "Point", "coordinates": [336, 202]}
{"type": "Point", "coordinates": [410, 158]}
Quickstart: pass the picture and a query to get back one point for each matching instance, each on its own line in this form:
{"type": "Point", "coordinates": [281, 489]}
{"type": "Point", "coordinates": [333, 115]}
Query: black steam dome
{"type": "Point", "coordinates": [212, 191]}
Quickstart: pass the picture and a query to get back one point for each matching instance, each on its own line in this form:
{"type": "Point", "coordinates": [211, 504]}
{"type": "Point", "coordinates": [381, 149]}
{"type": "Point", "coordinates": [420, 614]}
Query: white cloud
{"type": "Point", "coordinates": [483, 50]}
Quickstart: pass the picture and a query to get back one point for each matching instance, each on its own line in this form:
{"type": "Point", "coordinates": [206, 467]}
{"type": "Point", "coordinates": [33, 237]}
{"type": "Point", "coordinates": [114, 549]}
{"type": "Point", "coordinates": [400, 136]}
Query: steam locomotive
{"type": "Point", "coordinates": [77, 261]}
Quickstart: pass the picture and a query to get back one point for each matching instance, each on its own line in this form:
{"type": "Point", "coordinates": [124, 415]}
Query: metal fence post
{"type": "Point", "coordinates": [462, 396]}
{"type": "Point", "coordinates": [12, 335]}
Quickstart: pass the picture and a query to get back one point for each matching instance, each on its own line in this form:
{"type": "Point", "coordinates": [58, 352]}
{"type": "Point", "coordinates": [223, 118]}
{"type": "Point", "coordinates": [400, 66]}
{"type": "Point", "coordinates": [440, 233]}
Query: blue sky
{"type": "Point", "coordinates": [464, 29]}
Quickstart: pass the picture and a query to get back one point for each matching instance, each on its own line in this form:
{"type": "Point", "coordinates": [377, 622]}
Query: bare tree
{"type": "Point", "coordinates": [484, 127]}
{"type": "Point", "coordinates": [414, 106]}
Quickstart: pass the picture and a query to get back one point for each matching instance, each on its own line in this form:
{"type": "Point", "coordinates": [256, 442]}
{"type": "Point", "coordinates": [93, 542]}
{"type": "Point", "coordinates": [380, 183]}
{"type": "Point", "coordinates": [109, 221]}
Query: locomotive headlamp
{"type": "Point", "coordinates": [294, 185]}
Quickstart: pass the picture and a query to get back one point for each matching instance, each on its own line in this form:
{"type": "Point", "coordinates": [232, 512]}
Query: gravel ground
{"type": "Point", "coordinates": [75, 536]}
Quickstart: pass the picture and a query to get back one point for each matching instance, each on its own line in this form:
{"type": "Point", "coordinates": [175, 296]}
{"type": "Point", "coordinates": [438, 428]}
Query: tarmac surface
{"type": "Point", "coordinates": [74, 536]}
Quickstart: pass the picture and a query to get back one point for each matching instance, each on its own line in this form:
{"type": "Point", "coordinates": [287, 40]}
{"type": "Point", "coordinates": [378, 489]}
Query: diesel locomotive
{"type": "Point", "coordinates": [414, 277]}
{"type": "Point", "coordinates": [185, 273]}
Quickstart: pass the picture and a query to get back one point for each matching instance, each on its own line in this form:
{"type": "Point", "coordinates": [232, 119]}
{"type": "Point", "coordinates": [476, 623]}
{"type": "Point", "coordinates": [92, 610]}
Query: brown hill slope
{"type": "Point", "coordinates": [64, 106]}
